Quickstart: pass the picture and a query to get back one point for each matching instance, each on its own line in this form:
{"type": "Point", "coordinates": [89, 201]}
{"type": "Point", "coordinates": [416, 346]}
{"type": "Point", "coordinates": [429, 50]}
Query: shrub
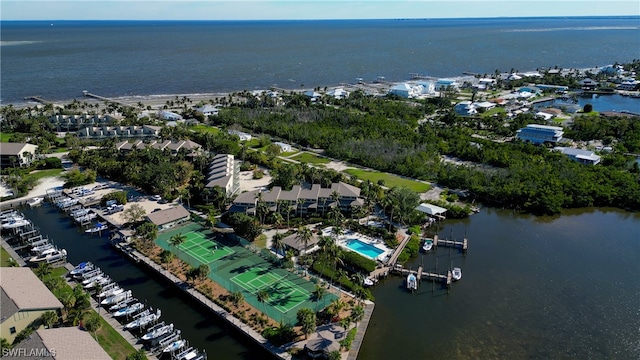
{"type": "Point", "coordinates": [411, 249]}
{"type": "Point", "coordinates": [358, 262]}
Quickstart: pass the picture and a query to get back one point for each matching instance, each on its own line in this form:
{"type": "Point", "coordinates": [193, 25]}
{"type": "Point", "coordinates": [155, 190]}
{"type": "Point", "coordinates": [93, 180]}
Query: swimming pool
{"type": "Point", "coordinates": [363, 248]}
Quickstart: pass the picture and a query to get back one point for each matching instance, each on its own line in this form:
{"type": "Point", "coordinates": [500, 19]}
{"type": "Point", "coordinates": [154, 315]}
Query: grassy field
{"type": "Point", "coordinates": [4, 137]}
{"type": "Point", "coordinates": [389, 180]}
{"type": "Point", "coordinates": [491, 112]}
{"type": "Point", "coordinates": [39, 174]}
{"type": "Point", "coordinates": [206, 129]}
{"type": "Point", "coordinates": [310, 158]}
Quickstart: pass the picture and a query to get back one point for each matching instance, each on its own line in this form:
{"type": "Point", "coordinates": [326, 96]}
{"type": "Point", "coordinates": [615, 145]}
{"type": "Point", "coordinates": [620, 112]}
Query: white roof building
{"type": "Point", "coordinates": [582, 156]}
{"type": "Point", "coordinates": [430, 209]}
{"type": "Point", "coordinates": [338, 93]}
{"type": "Point", "coordinates": [208, 110]}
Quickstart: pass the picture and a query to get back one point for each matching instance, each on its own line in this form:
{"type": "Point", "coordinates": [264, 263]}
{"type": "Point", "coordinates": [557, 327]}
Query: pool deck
{"type": "Point", "coordinates": [376, 243]}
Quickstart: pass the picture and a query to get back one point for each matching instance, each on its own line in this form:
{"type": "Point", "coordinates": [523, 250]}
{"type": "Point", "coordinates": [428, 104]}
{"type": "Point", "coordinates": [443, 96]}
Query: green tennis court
{"type": "Point", "coordinates": [283, 294]}
{"type": "Point", "coordinates": [236, 267]}
{"type": "Point", "coordinates": [203, 249]}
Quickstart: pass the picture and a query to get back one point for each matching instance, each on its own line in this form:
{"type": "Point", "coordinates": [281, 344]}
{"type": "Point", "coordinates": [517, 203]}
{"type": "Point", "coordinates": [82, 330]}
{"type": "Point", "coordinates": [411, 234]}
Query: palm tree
{"type": "Point", "coordinates": [236, 297]}
{"type": "Point", "coordinates": [92, 323]}
{"type": "Point", "coordinates": [277, 243]}
{"type": "Point", "coordinates": [49, 318]}
{"type": "Point", "coordinates": [304, 236]}
{"type": "Point", "coordinates": [177, 240]}
{"type": "Point", "coordinates": [166, 257]}
{"type": "Point", "coordinates": [43, 270]}
{"type": "Point", "coordinates": [300, 205]}
{"type": "Point", "coordinates": [262, 295]}
{"type": "Point", "coordinates": [357, 314]}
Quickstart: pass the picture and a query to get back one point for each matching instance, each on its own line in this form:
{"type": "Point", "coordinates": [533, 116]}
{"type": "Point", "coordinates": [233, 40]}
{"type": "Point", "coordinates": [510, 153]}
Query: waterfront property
{"type": "Point", "coordinates": [24, 299]}
{"type": "Point", "coordinates": [17, 154]}
{"type": "Point", "coordinates": [76, 122]}
{"type": "Point", "coordinates": [233, 266]}
{"type": "Point", "coordinates": [539, 134]}
{"type": "Point", "coordinates": [582, 156]}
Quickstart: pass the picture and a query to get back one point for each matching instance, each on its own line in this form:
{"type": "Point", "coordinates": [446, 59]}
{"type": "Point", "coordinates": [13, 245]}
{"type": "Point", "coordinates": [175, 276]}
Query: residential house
{"type": "Point", "coordinates": [556, 88]}
{"type": "Point", "coordinates": [582, 156]}
{"type": "Point", "coordinates": [24, 299]}
{"type": "Point", "coordinates": [17, 154]}
{"type": "Point", "coordinates": [76, 122]}
{"type": "Point", "coordinates": [428, 87]}
{"type": "Point", "coordinates": [284, 147]}
{"type": "Point", "coordinates": [168, 115]}
{"type": "Point", "coordinates": [446, 84]}
{"type": "Point", "coordinates": [242, 135]}
{"type": "Point", "coordinates": [174, 147]}
{"type": "Point", "coordinates": [629, 85]}
{"type": "Point", "coordinates": [208, 110]}
{"type": "Point", "coordinates": [224, 172]}
{"type": "Point", "coordinates": [338, 93]}
{"type": "Point", "coordinates": [313, 95]}
{"type": "Point", "coordinates": [132, 132]}
{"type": "Point", "coordinates": [465, 108]}
{"type": "Point", "coordinates": [60, 343]}
{"type": "Point", "coordinates": [539, 134]}
{"type": "Point", "coordinates": [588, 84]}
{"type": "Point", "coordinates": [405, 90]}
{"type": "Point", "coordinates": [168, 218]}
{"type": "Point", "coordinates": [293, 242]}
{"type": "Point", "coordinates": [315, 199]}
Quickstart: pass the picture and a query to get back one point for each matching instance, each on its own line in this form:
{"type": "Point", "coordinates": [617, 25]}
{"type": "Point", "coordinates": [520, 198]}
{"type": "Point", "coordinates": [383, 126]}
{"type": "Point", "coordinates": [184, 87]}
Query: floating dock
{"type": "Point", "coordinates": [446, 279]}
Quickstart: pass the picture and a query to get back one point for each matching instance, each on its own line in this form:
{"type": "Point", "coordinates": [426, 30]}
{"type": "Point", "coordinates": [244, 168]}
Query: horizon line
{"type": "Point", "coordinates": [345, 19]}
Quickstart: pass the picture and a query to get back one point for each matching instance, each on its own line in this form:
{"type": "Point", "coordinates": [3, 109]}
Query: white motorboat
{"type": "Point", "coordinates": [88, 275]}
{"type": "Point", "coordinates": [82, 268]}
{"type": "Point", "coordinates": [43, 249]}
{"type": "Point", "coordinates": [85, 218]}
{"type": "Point", "coordinates": [79, 212]}
{"type": "Point", "coordinates": [187, 354]}
{"type": "Point", "coordinates": [99, 227]}
{"type": "Point", "coordinates": [174, 346]}
{"type": "Point", "coordinates": [116, 298]}
{"type": "Point", "coordinates": [13, 217]}
{"type": "Point", "coordinates": [122, 304]}
{"type": "Point", "coordinates": [157, 331]}
{"type": "Point", "coordinates": [131, 309]}
{"type": "Point", "coordinates": [427, 245]}
{"type": "Point", "coordinates": [50, 257]}
{"type": "Point", "coordinates": [35, 201]}
{"type": "Point", "coordinates": [368, 282]}
{"type": "Point", "coordinates": [39, 243]}
{"type": "Point", "coordinates": [92, 278]}
{"type": "Point", "coordinates": [101, 280]}
{"type": "Point", "coordinates": [144, 320]}
{"type": "Point", "coordinates": [412, 282]}
{"type": "Point", "coordinates": [12, 224]}
{"type": "Point", "coordinates": [456, 273]}
{"type": "Point", "coordinates": [111, 290]}
{"type": "Point", "coordinates": [7, 214]}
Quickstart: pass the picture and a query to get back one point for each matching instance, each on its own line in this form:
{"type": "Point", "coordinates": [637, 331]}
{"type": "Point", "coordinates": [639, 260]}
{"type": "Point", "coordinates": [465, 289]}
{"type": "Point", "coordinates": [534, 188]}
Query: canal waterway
{"type": "Point", "coordinates": [600, 103]}
{"type": "Point", "coordinates": [201, 328]}
{"type": "Point", "coordinates": [532, 288]}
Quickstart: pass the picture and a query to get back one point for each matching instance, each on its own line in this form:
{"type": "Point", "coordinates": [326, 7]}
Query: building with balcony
{"type": "Point", "coordinates": [224, 172]}
{"type": "Point", "coordinates": [17, 154]}
{"type": "Point", "coordinates": [540, 134]}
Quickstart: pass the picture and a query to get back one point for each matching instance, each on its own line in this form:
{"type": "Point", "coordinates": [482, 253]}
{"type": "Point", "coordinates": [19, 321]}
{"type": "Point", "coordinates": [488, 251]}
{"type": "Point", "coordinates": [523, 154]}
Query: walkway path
{"type": "Point", "coordinates": [362, 329]}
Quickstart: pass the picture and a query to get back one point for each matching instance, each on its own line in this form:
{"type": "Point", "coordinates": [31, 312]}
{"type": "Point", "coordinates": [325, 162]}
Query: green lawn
{"type": "Point", "coordinates": [205, 128]}
{"type": "Point", "coordinates": [5, 136]}
{"type": "Point", "coordinates": [112, 342]}
{"type": "Point", "coordinates": [389, 179]}
{"type": "Point", "coordinates": [39, 174]}
{"type": "Point", "coordinates": [491, 112]}
{"type": "Point", "coordinates": [310, 158]}
{"type": "Point", "coordinates": [4, 257]}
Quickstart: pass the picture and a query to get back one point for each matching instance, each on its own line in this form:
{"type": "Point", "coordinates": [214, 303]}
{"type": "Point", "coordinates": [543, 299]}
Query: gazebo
{"type": "Point", "coordinates": [321, 347]}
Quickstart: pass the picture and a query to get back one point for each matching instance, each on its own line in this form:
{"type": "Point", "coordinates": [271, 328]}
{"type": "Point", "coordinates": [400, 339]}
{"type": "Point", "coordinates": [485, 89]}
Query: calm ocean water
{"type": "Point", "coordinates": [120, 58]}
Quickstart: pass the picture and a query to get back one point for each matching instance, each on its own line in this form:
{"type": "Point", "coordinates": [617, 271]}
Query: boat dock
{"type": "Point", "coordinates": [463, 245]}
{"type": "Point", "coordinates": [38, 99]}
{"type": "Point", "coordinates": [446, 279]}
{"type": "Point", "coordinates": [398, 250]}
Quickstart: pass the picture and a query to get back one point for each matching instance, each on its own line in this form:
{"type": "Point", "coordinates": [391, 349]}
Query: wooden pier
{"type": "Point", "coordinates": [463, 245]}
{"type": "Point", "coordinates": [37, 99]}
{"type": "Point", "coordinates": [398, 250]}
{"type": "Point", "coordinates": [446, 279]}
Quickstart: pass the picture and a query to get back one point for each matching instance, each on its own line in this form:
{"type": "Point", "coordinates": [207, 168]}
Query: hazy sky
{"type": "Point", "coordinates": [296, 9]}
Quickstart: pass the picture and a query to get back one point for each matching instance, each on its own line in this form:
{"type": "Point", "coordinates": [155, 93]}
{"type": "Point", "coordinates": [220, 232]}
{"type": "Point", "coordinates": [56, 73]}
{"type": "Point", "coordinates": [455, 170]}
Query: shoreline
{"type": "Point", "coordinates": [160, 99]}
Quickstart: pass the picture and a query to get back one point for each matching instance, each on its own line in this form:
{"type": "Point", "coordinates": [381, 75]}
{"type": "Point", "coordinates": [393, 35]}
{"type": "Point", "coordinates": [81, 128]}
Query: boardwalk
{"type": "Point", "coordinates": [362, 330]}
{"type": "Point", "coordinates": [394, 257]}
